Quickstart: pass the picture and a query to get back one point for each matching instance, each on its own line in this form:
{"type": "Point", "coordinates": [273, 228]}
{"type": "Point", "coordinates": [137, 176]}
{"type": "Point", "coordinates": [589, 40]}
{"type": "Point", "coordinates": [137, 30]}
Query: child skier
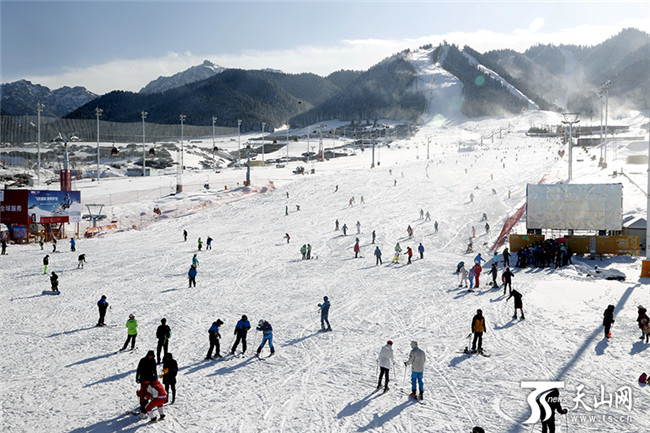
{"type": "Point", "coordinates": [463, 276]}
{"type": "Point", "coordinates": [200, 242]}
{"type": "Point", "coordinates": [214, 339]}
{"type": "Point", "coordinates": [267, 335]}
{"type": "Point", "coordinates": [643, 322]}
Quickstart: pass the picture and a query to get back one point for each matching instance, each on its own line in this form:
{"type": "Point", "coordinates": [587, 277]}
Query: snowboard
{"type": "Point", "coordinates": [51, 292]}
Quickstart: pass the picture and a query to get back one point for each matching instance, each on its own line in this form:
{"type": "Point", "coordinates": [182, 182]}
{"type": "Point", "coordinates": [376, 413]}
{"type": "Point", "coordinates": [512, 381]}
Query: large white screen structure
{"type": "Point", "coordinates": [574, 206]}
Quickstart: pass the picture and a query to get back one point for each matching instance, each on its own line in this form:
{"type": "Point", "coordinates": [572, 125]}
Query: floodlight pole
{"type": "Point", "coordinates": [98, 113]}
{"type": "Point", "coordinates": [144, 165]}
{"type": "Point", "coordinates": [288, 126]}
{"type": "Point", "coordinates": [214, 161]}
{"type": "Point", "coordinates": [570, 119]}
{"type": "Point", "coordinates": [39, 107]}
{"type": "Point", "coordinates": [182, 117]}
{"type": "Point", "coordinates": [600, 94]}
{"type": "Point", "coordinates": [238, 142]}
{"type": "Point", "coordinates": [605, 88]}
{"type": "Point", "coordinates": [263, 126]}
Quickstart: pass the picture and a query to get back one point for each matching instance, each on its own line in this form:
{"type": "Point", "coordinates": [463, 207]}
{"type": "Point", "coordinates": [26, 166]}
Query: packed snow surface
{"type": "Point", "coordinates": [60, 373]}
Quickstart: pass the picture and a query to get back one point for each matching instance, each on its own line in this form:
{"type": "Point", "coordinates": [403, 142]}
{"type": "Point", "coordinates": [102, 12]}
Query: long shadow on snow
{"type": "Point", "coordinates": [121, 423]}
{"type": "Point", "coordinates": [27, 297]}
{"type": "Point", "coordinates": [58, 334]}
{"type": "Point", "coordinates": [353, 408]}
{"type": "Point", "coordinates": [638, 347]}
{"type": "Point", "coordinates": [601, 346]}
{"type": "Point", "coordinates": [519, 426]}
{"type": "Point", "coordinates": [378, 421]}
{"type": "Point", "coordinates": [507, 325]}
{"type": "Point", "coordinates": [111, 378]}
{"type": "Point", "coordinates": [299, 340]}
{"type": "Point", "coordinates": [94, 358]}
{"type": "Point", "coordinates": [227, 370]}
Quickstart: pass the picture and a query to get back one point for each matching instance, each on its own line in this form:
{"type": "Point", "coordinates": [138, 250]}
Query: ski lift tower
{"type": "Point", "coordinates": [94, 213]}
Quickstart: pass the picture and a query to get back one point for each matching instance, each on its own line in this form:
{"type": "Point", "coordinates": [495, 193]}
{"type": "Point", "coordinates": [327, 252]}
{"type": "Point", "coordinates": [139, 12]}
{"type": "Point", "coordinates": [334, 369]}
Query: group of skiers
{"type": "Point", "coordinates": [543, 254]}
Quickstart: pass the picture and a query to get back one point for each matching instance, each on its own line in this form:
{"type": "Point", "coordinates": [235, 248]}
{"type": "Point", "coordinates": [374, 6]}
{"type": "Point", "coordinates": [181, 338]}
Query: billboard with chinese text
{"type": "Point", "coordinates": [53, 206]}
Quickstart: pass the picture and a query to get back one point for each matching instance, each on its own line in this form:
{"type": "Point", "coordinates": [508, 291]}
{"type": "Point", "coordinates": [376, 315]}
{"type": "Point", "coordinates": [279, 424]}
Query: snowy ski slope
{"type": "Point", "coordinates": [59, 373]}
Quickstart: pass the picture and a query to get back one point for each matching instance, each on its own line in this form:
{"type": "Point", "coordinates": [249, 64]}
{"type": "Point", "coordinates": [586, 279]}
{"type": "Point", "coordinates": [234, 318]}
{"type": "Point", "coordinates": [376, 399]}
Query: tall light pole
{"type": "Point", "coordinates": [570, 119]}
{"type": "Point", "coordinates": [288, 126]}
{"type": "Point", "coordinates": [238, 142]}
{"type": "Point", "coordinates": [39, 107]}
{"type": "Point", "coordinates": [600, 94]}
{"type": "Point", "coordinates": [144, 165]}
{"type": "Point", "coordinates": [214, 161]}
{"type": "Point", "coordinates": [605, 87]}
{"type": "Point", "coordinates": [263, 126]}
{"type": "Point", "coordinates": [321, 152]}
{"type": "Point", "coordinates": [647, 217]}
{"type": "Point", "coordinates": [182, 117]}
{"type": "Point", "coordinates": [98, 113]}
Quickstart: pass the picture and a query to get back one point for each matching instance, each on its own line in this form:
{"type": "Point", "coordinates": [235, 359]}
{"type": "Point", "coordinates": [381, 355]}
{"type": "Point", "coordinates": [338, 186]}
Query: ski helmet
{"type": "Point", "coordinates": [390, 342]}
{"type": "Point", "coordinates": [261, 322]}
{"type": "Point", "coordinates": [131, 316]}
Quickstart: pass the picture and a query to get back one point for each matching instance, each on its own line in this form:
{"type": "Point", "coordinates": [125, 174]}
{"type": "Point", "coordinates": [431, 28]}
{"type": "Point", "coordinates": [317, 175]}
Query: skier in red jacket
{"type": "Point", "coordinates": [409, 253]}
{"type": "Point", "coordinates": [477, 272]}
{"type": "Point", "coordinates": [155, 393]}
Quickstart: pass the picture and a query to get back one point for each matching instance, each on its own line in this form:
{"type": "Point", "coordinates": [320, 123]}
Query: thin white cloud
{"type": "Point", "coordinates": [348, 54]}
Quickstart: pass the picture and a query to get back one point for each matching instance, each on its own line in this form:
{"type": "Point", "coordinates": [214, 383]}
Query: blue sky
{"type": "Point", "coordinates": [107, 45]}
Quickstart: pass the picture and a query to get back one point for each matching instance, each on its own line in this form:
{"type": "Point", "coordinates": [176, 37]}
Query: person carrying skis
{"type": "Point", "coordinates": [241, 329]}
{"type": "Point", "coordinates": [132, 333]}
{"type": "Point", "coordinates": [463, 276]}
{"type": "Point", "coordinates": [398, 250]}
{"type": "Point", "coordinates": [477, 272]}
{"type": "Point", "coordinates": [191, 274]}
{"type": "Point", "coordinates": [553, 403]}
{"type": "Point", "coordinates": [54, 281]}
{"type": "Point", "coordinates": [267, 335]}
{"type": "Point", "coordinates": [416, 360]}
{"type": "Point", "coordinates": [478, 327]}
{"type": "Point", "coordinates": [507, 280]}
{"type": "Point", "coordinates": [421, 250]}
{"type": "Point", "coordinates": [82, 260]}
{"type": "Point", "coordinates": [208, 243]}
{"type": "Point", "coordinates": [163, 334]}
{"type": "Point", "coordinates": [195, 261]}
{"type": "Point", "coordinates": [356, 249]}
{"type": "Point", "coordinates": [409, 254]}
{"type": "Point", "coordinates": [102, 305]}
{"type": "Point", "coordinates": [378, 255]}
{"type": "Point", "coordinates": [493, 272]}
{"type": "Point", "coordinates": [518, 304]}
{"type": "Point", "coordinates": [324, 314]}
{"type": "Point", "coordinates": [345, 229]}
{"type": "Point", "coordinates": [156, 395]}
{"type": "Point", "coordinates": [303, 251]}
{"type": "Point", "coordinates": [214, 339]}
{"type": "Point", "coordinates": [608, 320]}
{"type": "Point", "coordinates": [644, 321]}
{"type": "Point", "coordinates": [146, 371]}
{"type": "Point", "coordinates": [184, 235]}
{"type": "Point", "coordinates": [46, 261]}
{"type": "Point", "coordinates": [385, 362]}
{"type": "Point", "coordinates": [170, 370]}
{"type": "Point", "coordinates": [200, 242]}
{"type": "Point", "coordinates": [73, 245]}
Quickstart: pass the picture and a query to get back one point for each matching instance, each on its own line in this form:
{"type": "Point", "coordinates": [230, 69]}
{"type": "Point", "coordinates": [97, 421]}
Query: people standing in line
{"type": "Point", "coordinates": [73, 245]}
{"type": "Point", "coordinates": [416, 360]}
{"type": "Point", "coordinates": [81, 261]}
{"type": "Point", "coordinates": [191, 275]}
{"type": "Point", "coordinates": [163, 334]}
{"type": "Point", "coordinates": [241, 330]}
{"type": "Point", "coordinates": [608, 320]}
{"type": "Point", "coordinates": [324, 314]}
{"type": "Point", "coordinates": [184, 235]}
{"type": "Point", "coordinates": [132, 332]}
{"type": "Point", "coordinates": [356, 249]}
{"type": "Point", "coordinates": [378, 256]}
{"type": "Point", "coordinates": [267, 335]}
{"type": "Point", "coordinates": [518, 303]}
{"type": "Point", "coordinates": [102, 306]}
{"type": "Point", "coordinates": [54, 281]}
{"type": "Point", "coordinates": [214, 334]}
{"type": "Point", "coordinates": [507, 280]}
{"type": "Point", "coordinates": [421, 251]}
{"type": "Point", "coordinates": [46, 261]}
{"type": "Point", "coordinates": [385, 362]}
{"type": "Point", "coordinates": [200, 244]}
{"type": "Point", "coordinates": [170, 370]}
{"type": "Point", "coordinates": [478, 327]}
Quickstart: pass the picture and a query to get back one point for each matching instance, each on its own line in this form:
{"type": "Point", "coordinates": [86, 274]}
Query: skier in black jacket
{"type": "Point", "coordinates": [518, 303]}
{"type": "Point", "coordinates": [241, 329]}
{"type": "Point", "coordinates": [147, 368]}
{"type": "Point", "coordinates": [608, 320]}
{"type": "Point", "coordinates": [170, 370]}
{"type": "Point", "coordinates": [553, 401]}
{"type": "Point", "coordinates": [163, 333]}
{"type": "Point", "coordinates": [507, 279]}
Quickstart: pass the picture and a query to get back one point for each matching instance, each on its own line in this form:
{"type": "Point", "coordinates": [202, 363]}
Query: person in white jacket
{"type": "Point", "coordinates": [385, 363]}
{"type": "Point", "coordinates": [416, 360]}
{"type": "Point", "coordinates": [463, 276]}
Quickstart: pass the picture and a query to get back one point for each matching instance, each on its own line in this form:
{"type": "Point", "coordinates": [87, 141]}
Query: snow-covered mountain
{"type": "Point", "coordinates": [200, 72]}
{"type": "Point", "coordinates": [21, 97]}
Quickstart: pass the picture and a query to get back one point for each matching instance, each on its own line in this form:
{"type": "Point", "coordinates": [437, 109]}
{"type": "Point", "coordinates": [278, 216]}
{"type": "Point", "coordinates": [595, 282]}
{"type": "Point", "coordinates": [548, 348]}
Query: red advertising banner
{"type": "Point", "coordinates": [13, 206]}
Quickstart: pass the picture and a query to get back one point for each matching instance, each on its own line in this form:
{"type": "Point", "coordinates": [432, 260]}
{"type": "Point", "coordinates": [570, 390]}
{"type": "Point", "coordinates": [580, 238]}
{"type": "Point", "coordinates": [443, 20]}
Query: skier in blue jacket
{"type": "Point", "coordinates": [214, 339]}
{"type": "Point", "coordinates": [324, 313]}
{"type": "Point", "coordinates": [241, 329]}
{"type": "Point", "coordinates": [421, 250]}
{"type": "Point", "coordinates": [478, 259]}
{"type": "Point", "coordinates": [191, 274]}
{"type": "Point", "coordinates": [267, 335]}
